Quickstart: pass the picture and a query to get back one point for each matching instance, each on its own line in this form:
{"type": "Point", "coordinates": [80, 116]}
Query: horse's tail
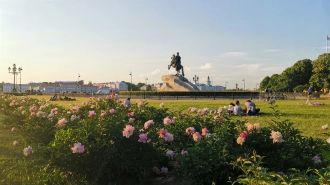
{"type": "Point", "coordinates": [182, 70]}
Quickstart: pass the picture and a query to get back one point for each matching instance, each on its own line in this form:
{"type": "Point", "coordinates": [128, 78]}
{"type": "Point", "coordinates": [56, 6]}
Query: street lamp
{"type": "Point", "coordinates": [146, 80]}
{"type": "Point", "coordinates": [78, 83]}
{"type": "Point", "coordinates": [195, 79]}
{"type": "Point", "coordinates": [226, 84]}
{"type": "Point", "coordinates": [130, 95]}
{"type": "Point", "coordinates": [257, 86]}
{"type": "Point", "coordinates": [244, 82]}
{"type": "Point", "coordinates": [20, 84]}
{"type": "Point", "coordinates": [14, 72]}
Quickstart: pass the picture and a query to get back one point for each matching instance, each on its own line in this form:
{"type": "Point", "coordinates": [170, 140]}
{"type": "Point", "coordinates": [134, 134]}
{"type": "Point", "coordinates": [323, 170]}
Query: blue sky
{"type": "Point", "coordinates": [103, 40]}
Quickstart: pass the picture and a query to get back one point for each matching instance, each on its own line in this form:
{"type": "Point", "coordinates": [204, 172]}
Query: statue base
{"type": "Point", "coordinates": [177, 83]}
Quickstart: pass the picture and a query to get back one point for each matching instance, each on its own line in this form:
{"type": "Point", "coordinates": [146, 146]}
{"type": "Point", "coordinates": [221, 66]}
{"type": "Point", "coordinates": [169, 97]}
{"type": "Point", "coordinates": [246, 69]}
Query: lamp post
{"type": "Point", "coordinates": [257, 86]}
{"type": "Point", "coordinates": [244, 83]}
{"type": "Point", "coordinates": [78, 83]}
{"type": "Point", "coordinates": [195, 79]}
{"type": "Point", "coordinates": [14, 72]}
{"type": "Point", "coordinates": [226, 84]}
{"type": "Point", "coordinates": [20, 83]}
{"type": "Point", "coordinates": [130, 95]}
{"type": "Point", "coordinates": [146, 82]}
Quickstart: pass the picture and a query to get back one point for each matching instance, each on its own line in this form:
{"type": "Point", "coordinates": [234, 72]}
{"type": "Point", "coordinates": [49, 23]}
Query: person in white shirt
{"type": "Point", "coordinates": [127, 103]}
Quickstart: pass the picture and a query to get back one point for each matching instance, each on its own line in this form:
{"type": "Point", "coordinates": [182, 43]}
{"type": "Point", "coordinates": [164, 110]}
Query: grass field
{"type": "Point", "coordinates": [308, 119]}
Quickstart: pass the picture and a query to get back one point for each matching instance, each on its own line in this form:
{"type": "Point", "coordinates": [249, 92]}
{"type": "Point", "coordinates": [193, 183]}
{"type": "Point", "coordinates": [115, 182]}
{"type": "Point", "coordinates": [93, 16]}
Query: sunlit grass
{"type": "Point", "coordinates": [308, 119]}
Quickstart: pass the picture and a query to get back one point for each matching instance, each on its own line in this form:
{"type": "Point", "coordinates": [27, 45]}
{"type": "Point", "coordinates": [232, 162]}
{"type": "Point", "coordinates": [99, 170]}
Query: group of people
{"type": "Point", "coordinates": [55, 98]}
{"type": "Point", "coordinates": [249, 108]}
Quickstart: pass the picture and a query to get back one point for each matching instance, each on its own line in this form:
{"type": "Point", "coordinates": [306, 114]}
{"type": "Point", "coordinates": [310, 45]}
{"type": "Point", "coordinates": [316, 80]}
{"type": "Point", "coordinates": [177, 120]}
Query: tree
{"type": "Point", "coordinates": [298, 74]}
{"type": "Point", "coordinates": [320, 75]}
{"type": "Point", "coordinates": [264, 83]}
{"type": "Point", "coordinates": [90, 83]}
{"type": "Point", "coordinates": [1, 84]}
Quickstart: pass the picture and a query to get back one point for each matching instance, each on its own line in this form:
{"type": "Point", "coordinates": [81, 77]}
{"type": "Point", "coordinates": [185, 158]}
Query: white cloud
{"type": "Point", "coordinates": [235, 54]}
{"type": "Point", "coordinates": [272, 50]}
{"type": "Point", "coordinates": [156, 71]}
{"type": "Point", "coordinates": [206, 66]}
{"type": "Point", "coordinates": [186, 68]}
{"type": "Point", "coordinates": [249, 66]}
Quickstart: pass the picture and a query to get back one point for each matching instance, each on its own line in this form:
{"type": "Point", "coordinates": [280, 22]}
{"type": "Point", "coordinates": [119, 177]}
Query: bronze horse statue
{"type": "Point", "coordinates": [176, 64]}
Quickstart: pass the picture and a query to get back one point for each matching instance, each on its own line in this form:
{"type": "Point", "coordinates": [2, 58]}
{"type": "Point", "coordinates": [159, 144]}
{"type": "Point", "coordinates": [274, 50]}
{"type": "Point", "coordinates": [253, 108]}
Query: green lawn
{"type": "Point", "coordinates": [308, 119]}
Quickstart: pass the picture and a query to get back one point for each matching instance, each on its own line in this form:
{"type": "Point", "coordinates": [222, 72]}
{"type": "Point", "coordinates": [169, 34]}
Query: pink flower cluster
{"type": "Point", "coordinates": [75, 109]}
{"type": "Point", "coordinates": [33, 108]}
{"type": "Point", "coordinates": [91, 114]}
{"type": "Point", "coordinates": [242, 137]}
{"type": "Point", "coordinates": [128, 131]}
{"type": "Point", "coordinates": [112, 111]}
{"type": "Point", "coordinates": [131, 120]}
{"type": "Point", "coordinates": [197, 137]}
{"type": "Point", "coordinates": [163, 170]}
{"type": "Point", "coordinates": [62, 122]}
{"type": "Point", "coordinates": [204, 131]}
{"type": "Point", "coordinates": [130, 114]}
{"type": "Point", "coordinates": [201, 112]}
{"type": "Point", "coordinates": [317, 159]}
{"type": "Point", "coordinates": [148, 124]}
{"type": "Point", "coordinates": [162, 133]}
{"type": "Point", "coordinates": [165, 135]}
{"type": "Point", "coordinates": [276, 136]}
{"type": "Point", "coordinates": [27, 151]}
{"type": "Point", "coordinates": [167, 121]}
{"type": "Point", "coordinates": [190, 130]}
{"type": "Point", "coordinates": [54, 111]}
{"type": "Point", "coordinates": [103, 113]}
{"type": "Point", "coordinates": [192, 109]}
{"type": "Point", "coordinates": [143, 138]}
{"type": "Point", "coordinates": [78, 148]}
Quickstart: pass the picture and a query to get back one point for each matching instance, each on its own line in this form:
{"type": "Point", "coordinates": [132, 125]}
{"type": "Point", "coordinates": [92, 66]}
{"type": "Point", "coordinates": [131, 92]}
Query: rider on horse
{"type": "Point", "coordinates": [176, 63]}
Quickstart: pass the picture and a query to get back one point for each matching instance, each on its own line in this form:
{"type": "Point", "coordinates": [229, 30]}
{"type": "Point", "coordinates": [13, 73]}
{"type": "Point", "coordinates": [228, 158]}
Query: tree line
{"type": "Point", "coordinates": [301, 75]}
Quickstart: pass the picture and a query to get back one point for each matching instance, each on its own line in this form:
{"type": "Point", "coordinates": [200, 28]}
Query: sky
{"type": "Point", "coordinates": [105, 40]}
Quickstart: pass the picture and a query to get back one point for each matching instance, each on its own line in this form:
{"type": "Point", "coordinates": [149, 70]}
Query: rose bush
{"type": "Point", "coordinates": [103, 142]}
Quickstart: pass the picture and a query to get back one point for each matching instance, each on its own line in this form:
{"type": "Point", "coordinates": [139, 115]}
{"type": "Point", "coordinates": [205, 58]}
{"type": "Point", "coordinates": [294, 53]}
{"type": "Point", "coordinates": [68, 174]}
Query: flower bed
{"type": "Point", "coordinates": [103, 142]}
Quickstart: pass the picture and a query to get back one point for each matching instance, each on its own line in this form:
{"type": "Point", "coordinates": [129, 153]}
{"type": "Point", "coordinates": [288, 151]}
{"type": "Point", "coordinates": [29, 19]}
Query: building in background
{"type": "Point", "coordinates": [8, 87]}
{"type": "Point", "coordinates": [157, 86]}
{"type": "Point", "coordinates": [89, 88]}
{"type": "Point", "coordinates": [118, 86]}
{"type": "Point", "coordinates": [209, 87]}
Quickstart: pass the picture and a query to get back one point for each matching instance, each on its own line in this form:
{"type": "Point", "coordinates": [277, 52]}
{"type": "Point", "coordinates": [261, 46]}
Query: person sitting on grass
{"type": "Point", "coordinates": [250, 108]}
{"type": "Point", "coordinates": [231, 108]}
{"type": "Point", "coordinates": [237, 109]}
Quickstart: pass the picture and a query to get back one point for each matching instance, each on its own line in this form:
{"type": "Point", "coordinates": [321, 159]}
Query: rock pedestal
{"type": "Point", "coordinates": [176, 83]}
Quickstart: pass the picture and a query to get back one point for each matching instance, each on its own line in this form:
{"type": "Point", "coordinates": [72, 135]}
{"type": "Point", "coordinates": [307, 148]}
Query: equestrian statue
{"type": "Point", "coordinates": [176, 64]}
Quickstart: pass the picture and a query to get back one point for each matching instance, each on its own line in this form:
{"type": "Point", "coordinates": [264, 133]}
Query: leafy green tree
{"type": "Point", "coordinates": [1, 84]}
{"type": "Point", "coordinates": [300, 88]}
{"type": "Point", "coordinates": [264, 83]}
{"type": "Point", "coordinates": [321, 72]}
{"type": "Point", "coordinates": [298, 74]}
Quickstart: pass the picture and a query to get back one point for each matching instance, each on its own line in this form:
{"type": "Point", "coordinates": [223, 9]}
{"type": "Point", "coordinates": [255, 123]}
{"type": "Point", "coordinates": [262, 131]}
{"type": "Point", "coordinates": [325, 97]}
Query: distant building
{"type": "Point", "coordinates": [209, 87]}
{"type": "Point", "coordinates": [158, 86]}
{"type": "Point", "coordinates": [118, 86]}
{"type": "Point", "coordinates": [8, 87]}
{"type": "Point", "coordinates": [89, 88]}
